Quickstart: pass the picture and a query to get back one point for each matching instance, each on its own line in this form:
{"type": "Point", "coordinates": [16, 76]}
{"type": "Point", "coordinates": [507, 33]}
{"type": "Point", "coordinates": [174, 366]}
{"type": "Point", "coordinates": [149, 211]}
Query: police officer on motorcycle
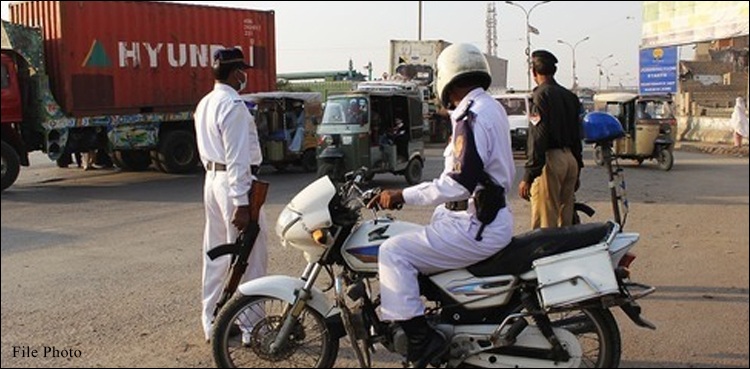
{"type": "Point", "coordinates": [472, 220]}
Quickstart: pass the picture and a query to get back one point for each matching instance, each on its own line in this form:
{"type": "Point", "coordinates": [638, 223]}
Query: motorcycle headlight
{"type": "Point", "coordinates": [287, 218]}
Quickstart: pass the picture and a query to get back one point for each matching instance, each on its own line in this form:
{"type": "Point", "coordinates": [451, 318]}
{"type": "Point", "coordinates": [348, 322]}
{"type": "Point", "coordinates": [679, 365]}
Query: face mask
{"type": "Point", "coordinates": [243, 83]}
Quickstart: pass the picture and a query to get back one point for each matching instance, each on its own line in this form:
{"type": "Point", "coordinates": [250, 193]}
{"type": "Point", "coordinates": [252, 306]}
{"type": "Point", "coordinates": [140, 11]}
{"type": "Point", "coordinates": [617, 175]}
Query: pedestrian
{"type": "Point", "coordinates": [89, 159]}
{"type": "Point", "coordinates": [739, 121]}
{"type": "Point", "coordinates": [228, 144]}
{"type": "Point", "coordinates": [554, 149]}
{"type": "Point", "coordinates": [297, 117]}
{"type": "Point", "coordinates": [78, 158]}
{"type": "Point", "coordinates": [389, 140]}
{"type": "Point", "coordinates": [471, 221]}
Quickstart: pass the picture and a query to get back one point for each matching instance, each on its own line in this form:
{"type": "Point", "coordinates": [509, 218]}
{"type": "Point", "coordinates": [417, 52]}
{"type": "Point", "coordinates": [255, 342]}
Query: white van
{"type": "Point", "coordinates": [517, 107]}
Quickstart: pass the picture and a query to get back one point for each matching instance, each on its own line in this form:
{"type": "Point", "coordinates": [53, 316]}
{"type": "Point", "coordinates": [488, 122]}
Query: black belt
{"type": "Point", "coordinates": [457, 205]}
{"type": "Point", "coordinates": [254, 169]}
{"type": "Point", "coordinates": [216, 166]}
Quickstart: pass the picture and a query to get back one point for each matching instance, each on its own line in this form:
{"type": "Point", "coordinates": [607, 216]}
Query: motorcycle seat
{"type": "Point", "coordinates": [516, 258]}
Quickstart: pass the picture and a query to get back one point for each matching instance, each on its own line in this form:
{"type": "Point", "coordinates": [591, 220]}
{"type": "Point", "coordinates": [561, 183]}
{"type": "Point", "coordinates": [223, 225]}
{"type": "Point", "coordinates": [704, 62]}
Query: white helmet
{"type": "Point", "coordinates": [460, 60]}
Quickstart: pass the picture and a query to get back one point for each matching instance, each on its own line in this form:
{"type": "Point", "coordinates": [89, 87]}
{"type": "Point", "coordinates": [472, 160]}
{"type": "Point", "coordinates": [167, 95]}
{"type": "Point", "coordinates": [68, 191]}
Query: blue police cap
{"type": "Point", "coordinates": [233, 56]}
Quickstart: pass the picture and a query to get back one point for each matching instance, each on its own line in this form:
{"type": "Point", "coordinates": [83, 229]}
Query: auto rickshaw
{"type": "Point", "coordinates": [286, 124]}
{"type": "Point", "coordinates": [378, 128]}
{"type": "Point", "coordinates": [649, 125]}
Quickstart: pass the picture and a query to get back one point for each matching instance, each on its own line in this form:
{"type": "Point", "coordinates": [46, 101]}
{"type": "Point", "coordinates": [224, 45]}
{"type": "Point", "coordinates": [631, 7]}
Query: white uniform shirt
{"type": "Point", "coordinates": [226, 134]}
{"type": "Point", "coordinates": [492, 139]}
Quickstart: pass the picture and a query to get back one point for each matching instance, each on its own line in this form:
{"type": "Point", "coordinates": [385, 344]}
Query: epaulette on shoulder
{"type": "Point", "coordinates": [467, 110]}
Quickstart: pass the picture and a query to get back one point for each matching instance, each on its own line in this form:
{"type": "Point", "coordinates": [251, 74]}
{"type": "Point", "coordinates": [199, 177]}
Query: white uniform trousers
{"type": "Point", "coordinates": [219, 230]}
{"type": "Point", "coordinates": [447, 243]}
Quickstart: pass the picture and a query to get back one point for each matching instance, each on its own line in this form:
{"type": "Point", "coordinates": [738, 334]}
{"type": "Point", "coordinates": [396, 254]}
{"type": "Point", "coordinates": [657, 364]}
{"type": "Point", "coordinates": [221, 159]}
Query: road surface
{"type": "Point", "coordinates": [104, 266]}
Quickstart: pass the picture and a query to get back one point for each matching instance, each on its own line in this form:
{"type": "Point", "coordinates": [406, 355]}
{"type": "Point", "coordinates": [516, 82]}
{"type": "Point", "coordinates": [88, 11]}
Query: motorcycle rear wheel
{"type": "Point", "coordinates": [597, 332]}
{"type": "Point", "coordinates": [310, 345]}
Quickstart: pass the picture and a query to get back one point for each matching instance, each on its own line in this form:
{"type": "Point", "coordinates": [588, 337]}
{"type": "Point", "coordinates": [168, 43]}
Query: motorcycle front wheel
{"type": "Point", "coordinates": [248, 325]}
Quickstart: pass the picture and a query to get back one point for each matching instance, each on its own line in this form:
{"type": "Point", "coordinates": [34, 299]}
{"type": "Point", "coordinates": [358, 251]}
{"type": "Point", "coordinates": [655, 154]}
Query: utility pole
{"type": "Point", "coordinates": [491, 29]}
{"type": "Point", "coordinates": [599, 66]}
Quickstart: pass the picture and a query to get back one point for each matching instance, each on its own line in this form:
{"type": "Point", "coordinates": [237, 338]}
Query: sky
{"type": "Point", "coordinates": [323, 36]}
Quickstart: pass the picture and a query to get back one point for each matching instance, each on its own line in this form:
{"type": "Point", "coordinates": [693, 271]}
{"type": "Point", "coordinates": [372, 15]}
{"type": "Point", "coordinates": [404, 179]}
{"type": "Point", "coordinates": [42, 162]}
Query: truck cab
{"type": "Point", "coordinates": [517, 107]}
{"type": "Point", "coordinates": [12, 108]}
{"type": "Point", "coordinates": [14, 145]}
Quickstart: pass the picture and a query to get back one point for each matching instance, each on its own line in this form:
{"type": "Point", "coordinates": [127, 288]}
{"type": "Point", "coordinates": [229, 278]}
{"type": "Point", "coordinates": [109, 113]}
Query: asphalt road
{"type": "Point", "coordinates": [104, 266]}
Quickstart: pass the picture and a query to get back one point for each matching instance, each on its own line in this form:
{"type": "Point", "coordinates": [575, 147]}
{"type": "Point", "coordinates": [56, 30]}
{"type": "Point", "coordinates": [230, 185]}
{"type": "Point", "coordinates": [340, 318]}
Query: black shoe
{"type": "Point", "coordinates": [426, 345]}
{"type": "Point", "coordinates": [430, 352]}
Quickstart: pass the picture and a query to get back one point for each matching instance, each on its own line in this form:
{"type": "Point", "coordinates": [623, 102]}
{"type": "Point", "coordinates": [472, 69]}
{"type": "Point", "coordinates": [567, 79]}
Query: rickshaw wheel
{"type": "Point", "coordinates": [280, 167]}
{"type": "Point", "coordinates": [413, 171]}
{"type": "Point", "coordinates": [598, 155]}
{"type": "Point", "coordinates": [309, 161]}
{"type": "Point", "coordinates": [665, 159]}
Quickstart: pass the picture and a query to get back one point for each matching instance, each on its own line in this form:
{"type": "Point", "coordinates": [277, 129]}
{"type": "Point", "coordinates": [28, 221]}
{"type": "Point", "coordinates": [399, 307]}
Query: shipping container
{"type": "Point", "coordinates": [416, 61]}
{"type": "Point", "coordinates": [120, 77]}
{"type": "Point", "coordinates": [130, 57]}
{"type": "Point", "coordinates": [416, 52]}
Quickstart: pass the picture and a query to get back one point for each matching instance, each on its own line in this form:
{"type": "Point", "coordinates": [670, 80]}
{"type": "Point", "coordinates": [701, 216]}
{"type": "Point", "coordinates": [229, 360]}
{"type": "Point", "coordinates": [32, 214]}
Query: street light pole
{"type": "Point", "coordinates": [420, 22]}
{"type": "Point", "coordinates": [606, 72]}
{"type": "Point", "coordinates": [599, 66]}
{"type": "Point", "coordinates": [573, 48]}
{"type": "Point", "coordinates": [528, 37]}
{"type": "Point", "coordinates": [621, 77]}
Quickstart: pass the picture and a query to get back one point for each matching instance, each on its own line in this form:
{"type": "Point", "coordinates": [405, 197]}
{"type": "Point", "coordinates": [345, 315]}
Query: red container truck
{"type": "Point", "coordinates": [119, 75]}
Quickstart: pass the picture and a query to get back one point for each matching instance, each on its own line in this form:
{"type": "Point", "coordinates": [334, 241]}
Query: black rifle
{"type": "Point", "coordinates": [241, 248]}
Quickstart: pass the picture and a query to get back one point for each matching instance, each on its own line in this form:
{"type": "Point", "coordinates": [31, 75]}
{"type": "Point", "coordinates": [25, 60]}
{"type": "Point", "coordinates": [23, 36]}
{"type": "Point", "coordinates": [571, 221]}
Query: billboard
{"type": "Point", "coordinates": [667, 23]}
{"type": "Point", "coordinates": [658, 71]}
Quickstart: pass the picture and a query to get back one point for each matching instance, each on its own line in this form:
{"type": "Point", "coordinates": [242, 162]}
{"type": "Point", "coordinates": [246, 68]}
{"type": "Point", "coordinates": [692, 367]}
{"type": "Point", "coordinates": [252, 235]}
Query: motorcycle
{"type": "Point", "coordinates": [542, 301]}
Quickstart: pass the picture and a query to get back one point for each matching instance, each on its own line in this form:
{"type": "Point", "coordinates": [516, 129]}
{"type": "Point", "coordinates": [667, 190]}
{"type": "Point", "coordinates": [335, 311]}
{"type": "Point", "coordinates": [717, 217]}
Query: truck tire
{"type": "Point", "coordinates": [177, 152]}
{"type": "Point", "coordinates": [132, 160]}
{"type": "Point", "coordinates": [11, 165]}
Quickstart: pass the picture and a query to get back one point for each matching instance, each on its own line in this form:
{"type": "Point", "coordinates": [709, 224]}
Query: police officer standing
{"type": "Point", "coordinates": [228, 145]}
{"type": "Point", "coordinates": [554, 149]}
{"type": "Point", "coordinates": [474, 223]}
